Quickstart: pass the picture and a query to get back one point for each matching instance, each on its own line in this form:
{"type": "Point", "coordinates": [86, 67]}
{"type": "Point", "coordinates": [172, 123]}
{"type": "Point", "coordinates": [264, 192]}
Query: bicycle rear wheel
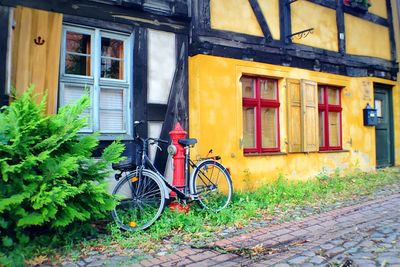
{"type": "Point", "coordinates": [212, 184]}
{"type": "Point", "coordinates": [140, 200]}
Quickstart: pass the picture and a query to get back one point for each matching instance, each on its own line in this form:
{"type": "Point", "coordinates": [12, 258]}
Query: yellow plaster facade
{"type": "Point", "coordinates": [215, 108]}
{"type": "Point", "coordinates": [379, 8]}
{"type": "Point", "coordinates": [234, 16]}
{"type": "Point", "coordinates": [238, 16]}
{"type": "Point", "coordinates": [396, 94]}
{"type": "Point", "coordinates": [307, 15]}
{"type": "Point", "coordinates": [364, 38]}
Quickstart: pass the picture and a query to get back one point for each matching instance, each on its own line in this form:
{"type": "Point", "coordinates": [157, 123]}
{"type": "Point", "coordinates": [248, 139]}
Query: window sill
{"type": "Point", "coordinates": [264, 154]}
{"type": "Point", "coordinates": [334, 151]}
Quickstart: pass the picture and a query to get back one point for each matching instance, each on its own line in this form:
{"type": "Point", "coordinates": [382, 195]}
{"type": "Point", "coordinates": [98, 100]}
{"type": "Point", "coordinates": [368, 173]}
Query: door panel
{"type": "Point", "coordinates": [383, 130]}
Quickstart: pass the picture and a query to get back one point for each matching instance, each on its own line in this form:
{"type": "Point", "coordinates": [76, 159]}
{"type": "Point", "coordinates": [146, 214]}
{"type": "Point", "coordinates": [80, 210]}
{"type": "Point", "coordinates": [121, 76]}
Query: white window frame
{"type": "Point", "coordinates": [95, 82]}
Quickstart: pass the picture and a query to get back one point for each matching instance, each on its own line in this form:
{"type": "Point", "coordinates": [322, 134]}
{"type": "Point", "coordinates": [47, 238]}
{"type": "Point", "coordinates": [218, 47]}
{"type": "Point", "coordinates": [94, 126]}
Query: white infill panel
{"type": "Point", "coordinates": [161, 65]}
{"type": "Point", "coordinates": [154, 130]}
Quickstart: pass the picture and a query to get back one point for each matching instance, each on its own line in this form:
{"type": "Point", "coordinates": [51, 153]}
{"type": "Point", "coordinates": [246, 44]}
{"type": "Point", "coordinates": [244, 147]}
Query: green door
{"type": "Point", "coordinates": [384, 128]}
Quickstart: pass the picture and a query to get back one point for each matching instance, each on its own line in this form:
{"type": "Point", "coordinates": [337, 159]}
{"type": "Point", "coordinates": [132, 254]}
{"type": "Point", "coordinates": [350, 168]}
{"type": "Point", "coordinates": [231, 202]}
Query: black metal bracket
{"type": "Point", "coordinates": [301, 34]}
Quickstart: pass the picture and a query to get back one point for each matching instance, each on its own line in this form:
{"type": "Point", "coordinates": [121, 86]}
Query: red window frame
{"type": "Point", "coordinates": [259, 103]}
{"type": "Point", "coordinates": [326, 108]}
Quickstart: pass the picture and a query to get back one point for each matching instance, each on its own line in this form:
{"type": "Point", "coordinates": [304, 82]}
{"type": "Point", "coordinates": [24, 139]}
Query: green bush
{"type": "Point", "coordinates": [49, 183]}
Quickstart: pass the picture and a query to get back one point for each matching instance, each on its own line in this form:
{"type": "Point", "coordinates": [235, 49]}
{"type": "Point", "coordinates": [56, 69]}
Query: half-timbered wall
{"type": "Point", "coordinates": [326, 60]}
{"type": "Point", "coordinates": [67, 49]}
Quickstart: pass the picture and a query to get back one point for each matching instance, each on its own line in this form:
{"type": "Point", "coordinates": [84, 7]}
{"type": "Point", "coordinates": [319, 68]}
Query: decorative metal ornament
{"type": "Point", "coordinates": [39, 40]}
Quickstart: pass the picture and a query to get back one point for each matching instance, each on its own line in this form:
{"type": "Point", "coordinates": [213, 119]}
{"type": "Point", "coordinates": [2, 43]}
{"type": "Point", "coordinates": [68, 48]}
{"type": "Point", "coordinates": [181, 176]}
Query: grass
{"type": "Point", "coordinates": [199, 226]}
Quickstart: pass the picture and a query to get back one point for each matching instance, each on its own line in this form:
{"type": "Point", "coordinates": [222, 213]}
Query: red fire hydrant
{"type": "Point", "coordinates": [179, 165]}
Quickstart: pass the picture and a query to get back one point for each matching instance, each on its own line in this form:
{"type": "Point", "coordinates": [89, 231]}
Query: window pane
{"type": "Point", "coordinates": [111, 68]}
{"type": "Point", "coordinates": [112, 54]}
{"type": "Point", "coordinates": [78, 43]}
{"type": "Point", "coordinates": [248, 87]}
{"type": "Point", "coordinates": [268, 89]}
{"type": "Point", "coordinates": [112, 48]}
{"type": "Point", "coordinates": [249, 127]}
{"type": "Point", "coordinates": [112, 110]}
{"type": "Point", "coordinates": [321, 95]}
{"type": "Point", "coordinates": [321, 115]}
{"type": "Point", "coordinates": [334, 128]}
{"type": "Point", "coordinates": [72, 93]}
{"type": "Point", "coordinates": [78, 65]}
{"type": "Point", "coordinates": [333, 96]}
{"type": "Point", "coordinates": [269, 127]}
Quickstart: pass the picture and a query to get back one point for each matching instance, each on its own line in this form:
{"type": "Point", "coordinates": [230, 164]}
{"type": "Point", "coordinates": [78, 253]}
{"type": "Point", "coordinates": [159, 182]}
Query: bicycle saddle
{"type": "Point", "coordinates": [188, 141]}
{"type": "Point", "coordinates": [125, 165]}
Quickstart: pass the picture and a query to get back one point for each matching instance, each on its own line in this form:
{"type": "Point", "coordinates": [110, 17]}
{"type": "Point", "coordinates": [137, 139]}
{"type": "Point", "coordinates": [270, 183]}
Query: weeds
{"type": "Point", "coordinates": [199, 226]}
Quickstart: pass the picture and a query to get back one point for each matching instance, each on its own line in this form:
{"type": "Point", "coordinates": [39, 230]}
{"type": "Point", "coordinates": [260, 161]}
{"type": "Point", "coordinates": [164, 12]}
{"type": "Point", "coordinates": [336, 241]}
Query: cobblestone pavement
{"type": "Point", "coordinates": [366, 234]}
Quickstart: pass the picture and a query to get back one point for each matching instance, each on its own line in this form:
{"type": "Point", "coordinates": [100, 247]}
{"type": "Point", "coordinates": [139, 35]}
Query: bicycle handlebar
{"type": "Point", "coordinates": [157, 140]}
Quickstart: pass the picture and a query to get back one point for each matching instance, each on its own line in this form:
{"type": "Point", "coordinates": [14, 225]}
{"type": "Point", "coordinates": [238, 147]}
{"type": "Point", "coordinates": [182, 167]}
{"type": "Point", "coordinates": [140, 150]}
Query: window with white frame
{"type": "Point", "coordinates": [98, 62]}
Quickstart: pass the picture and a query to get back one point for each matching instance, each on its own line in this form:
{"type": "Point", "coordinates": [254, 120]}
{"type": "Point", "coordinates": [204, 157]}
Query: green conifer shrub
{"type": "Point", "coordinates": [49, 183]}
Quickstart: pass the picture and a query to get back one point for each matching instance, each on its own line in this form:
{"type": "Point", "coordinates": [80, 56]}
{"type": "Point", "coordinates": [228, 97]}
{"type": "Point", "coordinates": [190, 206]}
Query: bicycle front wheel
{"type": "Point", "coordinates": [140, 200]}
{"type": "Point", "coordinates": [212, 185]}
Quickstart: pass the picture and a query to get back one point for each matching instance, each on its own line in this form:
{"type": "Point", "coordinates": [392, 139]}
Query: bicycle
{"type": "Point", "coordinates": [143, 193]}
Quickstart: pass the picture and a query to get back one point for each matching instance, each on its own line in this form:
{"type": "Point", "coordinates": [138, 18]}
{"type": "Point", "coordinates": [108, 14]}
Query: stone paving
{"type": "Point", "coordinates": [366, 234]}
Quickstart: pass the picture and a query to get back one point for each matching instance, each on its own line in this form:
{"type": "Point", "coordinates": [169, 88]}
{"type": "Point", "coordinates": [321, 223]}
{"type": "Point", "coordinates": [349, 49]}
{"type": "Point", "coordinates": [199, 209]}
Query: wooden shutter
{"type": "Point", "coordinates": [309, 91]}
{"type": "Point", "coordinates": [295, 118]}
{"type": "Point", "coordinates": [33, 63]}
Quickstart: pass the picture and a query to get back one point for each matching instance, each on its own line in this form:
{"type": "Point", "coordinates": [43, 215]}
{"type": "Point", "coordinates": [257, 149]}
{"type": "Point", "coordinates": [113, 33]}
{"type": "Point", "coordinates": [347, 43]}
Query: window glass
{"type": "Point", "coordinates": [268, 127]}
{"type": "Point", "coordinates": [248, 87]}
{"type": "Point", "coordinates": [249, 127]}
{"type": "Point", "coordinates": [268, 89]}
{"type": "Point", "coordinates": [321, 116]}
{"type": "Point", "coordinates": [321, 95]}
{"type": "Point", "coordinates": [334, 128]}
{"type": "Point", "coordinates": [78, 54]}
{"type": "Point", "coordinates": [333, 96]}
{"type": "Point", "coordinates": [112, 53]}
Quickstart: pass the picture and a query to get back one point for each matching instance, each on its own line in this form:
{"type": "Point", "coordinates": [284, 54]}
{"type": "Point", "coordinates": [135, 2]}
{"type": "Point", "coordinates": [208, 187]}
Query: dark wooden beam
{"type": "Point", "coordinates": [4, 28]}
{"type": "Point", "coordinates": [261, 19]}
{"type": "Point", "coordinates": [340, 27]}
{"type": "Point", "coordinates": [391, 30]}
{"type": "Point", "coordinates": [285, 21]}
{"type": "Point", "coordinates": [239, 38]}
{"type": "Point", "coordinates": [325, 3]}
{"type": "Point", "coordinates": [156, 112]}
{"type": "Point", "coordinates": [113, 26]}
{"type": "Point", "coordinates": [139, 108]}
{"type": "Point", "coordinates": [140, 17]}
{"type": "Point", "coordinates": [177, 110]}
{"type": "Point", "coordinates": [302, 56]}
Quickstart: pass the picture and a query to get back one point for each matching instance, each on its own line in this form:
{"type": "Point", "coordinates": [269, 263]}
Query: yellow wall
{"type": "Point", "coordinates": [366, 38]}
{"type": "Point", "coordinates": [238, 16]}
{"type": "Point", "coordinates": [307, 15]}
{"type": "Point", "coordinates": [378, 7]}
{"type": "Point", "coordinates": [215, 108]}
{"type": "Point", "coordinates": [396, 94]}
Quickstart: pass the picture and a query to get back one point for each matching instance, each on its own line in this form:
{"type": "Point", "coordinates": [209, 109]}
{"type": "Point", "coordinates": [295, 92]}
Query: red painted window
{"type": "Point", "coordinates": [260, 115]}
{"type": "Point", "coordinates": [330, 118]}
